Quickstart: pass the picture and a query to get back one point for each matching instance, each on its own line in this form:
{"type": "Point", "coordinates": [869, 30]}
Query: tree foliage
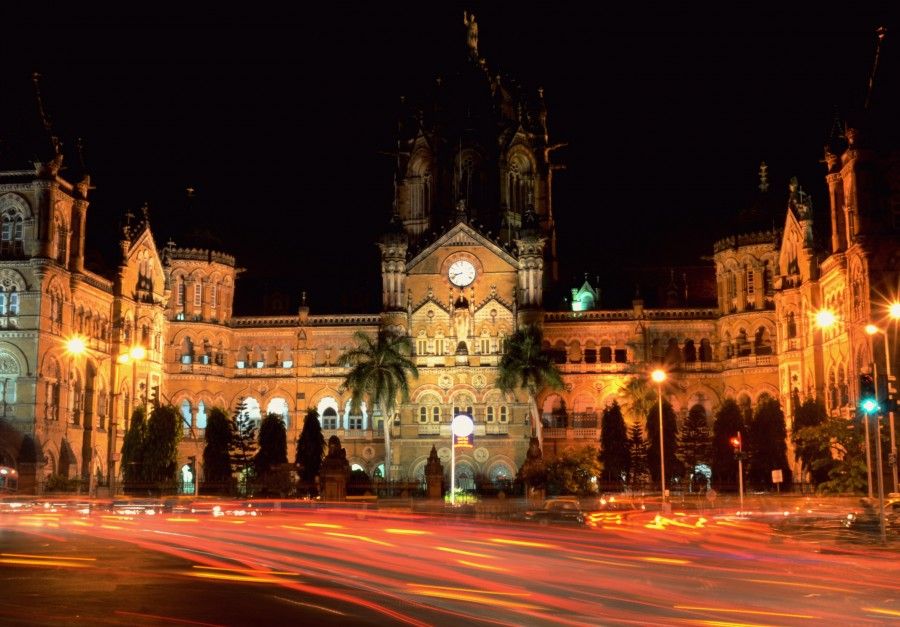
{"type": "Point", "coordinates": [695, 441]}
{"type": "Point", "coordinates": [614, 453]}
{"type": "Point", "coordinates": [670, 443]}
{"type": "Point", "coordinates": [767, 444]}
{"type": "Point", "coordinates": [161, 446]}
{"type": "Point", "coordinates": [573, 472]}
{"type": "Point", "coordinates": [310, 450]}
{"type": "Point", "coordinates": [379, 373]}
{"type": "Point", "coordinates": [243, 443]}
{"type": "Point", "coordinates": [639, 398]}
{"type": "Point", "coordinates": [272, 451]}
{"type": "Point", "coordinates": [526, 366]}
{"type": "Point", "coordinates": [217, 452]}
{"type": "Point", "coordinates": [133, 450]}
{"type": "Point", "coordinates": [638, 470]}
{"type": "Point", "coordinates": [838, 450]}
{"type": "Point", "coordinates": [728, 423]}
{"type": "Point", "coordinates": [814, 458]}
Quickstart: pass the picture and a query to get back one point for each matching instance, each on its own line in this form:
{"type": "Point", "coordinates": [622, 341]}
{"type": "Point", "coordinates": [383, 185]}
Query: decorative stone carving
{"type": "Point", "coordinates": [481, 454]}
{"type": "Point", "coordinates": [478, 381]}
{"type": "Point", "coordinates": [445, 381]}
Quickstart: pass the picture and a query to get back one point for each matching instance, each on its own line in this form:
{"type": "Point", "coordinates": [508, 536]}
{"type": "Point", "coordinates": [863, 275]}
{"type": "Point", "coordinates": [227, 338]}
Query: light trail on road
{"type": "Point", "coordinates": [421, 570]}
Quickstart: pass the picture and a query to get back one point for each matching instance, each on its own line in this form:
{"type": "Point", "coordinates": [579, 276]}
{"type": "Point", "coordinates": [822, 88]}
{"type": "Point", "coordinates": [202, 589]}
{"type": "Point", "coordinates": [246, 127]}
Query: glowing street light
{"type": "Point", "coordinates": [825, 319]}
{"type": "Point", "coordinates": [871, 330]}
{"type": "Point", "coordinates": [461, 428]}
{"type": "Point", "coordinates": [894, 310]}
{"type": "Point", "coordinates": [76, 345]}
{"type": "Point", "coordinates": [659, 376]}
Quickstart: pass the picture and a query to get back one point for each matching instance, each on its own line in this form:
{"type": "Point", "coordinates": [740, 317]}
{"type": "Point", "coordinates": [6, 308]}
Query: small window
{"type": "Point", "coordinates": [260, 364]}
{"type": "Point", "coordinates": [423, 414]}
{"type": "Point", "coordinates": [621, 355]}
{"type": "Point", "coordinates": [504, 417]}
{"type": "Point", "coordinates": [179, 315]}
{"type": "Point", "coordinates": [489, 417]}
{"type": "Point", "coordinates": [2, 303]}
{"type": "Point", "coordinates": [240, 364]}
{"type": "Point", "coordinates": [485, 346]}
{"type": "Point", "coordinates": [590, 355]}
{"type": "Point", "coordinates": [287, 363]}
{"type": "Point", "coordinates": [185, 359]}
{"type": "Point", "coordinates": [355, 422]}
{"type": "Point", "coordinates": [179, 291]}
{"type": "Point", "coordinates": [198, 293]}
{"type": "Point", "coordinates": [421, 347]}
{"type": "Point", "coordinates": [213, 296]}
{"type": "Point", "coordinates": [435, 414]}
{"type": "Point", "coordinates": [605, 355]}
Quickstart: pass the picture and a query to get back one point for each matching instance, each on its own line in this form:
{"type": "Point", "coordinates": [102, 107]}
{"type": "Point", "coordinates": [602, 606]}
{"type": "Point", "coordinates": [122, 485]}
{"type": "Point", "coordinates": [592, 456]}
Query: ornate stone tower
{"type": "Point", "coordinates": [529, 292]}
{"type": "Point", "coordinates": [477, 140]}
{"type": "Point", "coordinates": [393, 276]}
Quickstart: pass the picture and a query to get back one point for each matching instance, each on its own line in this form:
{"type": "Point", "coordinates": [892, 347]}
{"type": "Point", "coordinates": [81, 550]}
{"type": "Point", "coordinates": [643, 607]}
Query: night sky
{"type": "Point", "coordinates": [280, 120]}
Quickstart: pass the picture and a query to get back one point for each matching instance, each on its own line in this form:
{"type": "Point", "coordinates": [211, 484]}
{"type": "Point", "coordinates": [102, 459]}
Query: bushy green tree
{"type": "Point", "coordinates": [161, 446]}
{"type": "Point", "coordinates": [614, 454]}
{"type": "Point", "coordinates": [526, 366]}
{"type": "Point", "coordinates": [695, 441]}
{"type": "Point", "coordinates": [272, 445]}
{"type": "Point", "coordinates": [814, 458]}
{"type": "Point", "coordinates": [728, 423]}
{"type": "Point", "coordinates": [133, 451]}
{"type": "Point", "coordinates": [380, 369]}
{"type": "Point", "coordinates": [269, 461]}
{"type": "Point", "coordinates": [243, 444]}
{"type": "Point", "coordinates": [639, 471]}
{"type": "Point", "coordinates": [838, 448]}
{"type": "Point", "coordinates": [767, 444]}
{"type": "Point", "coordinates": [310, 451]}
{"type": "Point", "coordinates": [217, 452]}
{"type": "Point", "coordinates": [574, 472]}
{"type": "Point", "coordinates": [670, 443]}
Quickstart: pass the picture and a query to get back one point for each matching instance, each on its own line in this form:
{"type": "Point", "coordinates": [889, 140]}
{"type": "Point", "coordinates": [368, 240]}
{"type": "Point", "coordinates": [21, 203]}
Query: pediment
{"type": "Point", "coordinates": [461, 235]}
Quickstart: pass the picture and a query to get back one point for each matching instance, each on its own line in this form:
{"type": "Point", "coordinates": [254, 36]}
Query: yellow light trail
{"type": "Point", "coordinates": [664, 560]}
{"type": "Point", "coordinates": [447, 549]}
{"type": "Point", "coordinates": [475, 598]}
{"type": "Point", "coordinates": [324, 525]}
{"type": "Point", "coordinates": [794, 584]}
{"type": "Point", "coordinates": [605, 562]}
{"type": "Point", "coordinates": [409, 532]}
{"type": "Point", "coordinates": [483, 566]}
{"type": "Point", "coordinates": [539, 545]}
{"type": "Point", "coordinates": [41, 562]}
{"type": "Point", "coordinates": [880, 610]}
{"type": "Point", "coordinates": [699, 608]}
{"type": "Point", "coordinates": [49, 557]}
{"type": "Point", "coordinates": [469, 590]}
{"type": "Point", "coordinates": [356, 537]}
{"type": "Point", "coordinates": [247, 570]}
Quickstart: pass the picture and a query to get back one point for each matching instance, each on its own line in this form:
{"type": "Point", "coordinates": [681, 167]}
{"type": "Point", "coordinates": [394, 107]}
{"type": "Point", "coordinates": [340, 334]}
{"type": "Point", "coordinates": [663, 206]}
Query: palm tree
{"type": "Point", "coordinates": [524, 365]}
{"type": "Point", "coordinates": [379, 373]}
{"type": "Point", "coordinates": [638, 398]}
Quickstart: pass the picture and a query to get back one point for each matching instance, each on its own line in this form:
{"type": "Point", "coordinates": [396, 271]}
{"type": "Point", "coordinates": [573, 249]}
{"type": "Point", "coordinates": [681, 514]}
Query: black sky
{"type": "Point", "coordinates": [279, 118]}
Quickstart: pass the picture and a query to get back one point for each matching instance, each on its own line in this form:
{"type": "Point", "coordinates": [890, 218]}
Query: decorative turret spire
{"type": "Point", "coordinates": [763, 177]}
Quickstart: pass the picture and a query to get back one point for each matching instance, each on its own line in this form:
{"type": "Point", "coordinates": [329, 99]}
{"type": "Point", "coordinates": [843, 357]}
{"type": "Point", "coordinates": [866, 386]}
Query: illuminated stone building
{"type": "Point", "coordinates": [467, 256]}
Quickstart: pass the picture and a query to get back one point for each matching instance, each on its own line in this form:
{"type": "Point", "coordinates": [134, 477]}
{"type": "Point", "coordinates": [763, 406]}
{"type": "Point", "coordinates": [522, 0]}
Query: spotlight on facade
{"type": "Point", "coordinates": [76, 345]}
{"type": "Point", "coordinates": [137, 352]}
{"type": "Point", "coordinates": [894, 310]}
{"type": "Point", "coordinates": [871, 329]}
{"type": "Point", "coordinates": [825, 318]}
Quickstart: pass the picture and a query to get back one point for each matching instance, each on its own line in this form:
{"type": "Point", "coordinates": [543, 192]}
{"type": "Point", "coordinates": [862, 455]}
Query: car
{"type": "Point", "coordinates": [561, 510]}
{"type": "Point", "coordinates": [865, 519]}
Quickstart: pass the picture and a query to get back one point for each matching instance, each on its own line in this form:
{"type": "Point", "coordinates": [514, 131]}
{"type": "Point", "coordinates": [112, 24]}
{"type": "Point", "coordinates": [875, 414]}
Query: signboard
{"type": "Point", "coordinates": [776, 476]}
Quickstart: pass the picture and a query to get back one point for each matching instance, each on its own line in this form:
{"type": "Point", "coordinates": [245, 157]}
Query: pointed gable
{"type": "Point", "coordinates": [142, 273]}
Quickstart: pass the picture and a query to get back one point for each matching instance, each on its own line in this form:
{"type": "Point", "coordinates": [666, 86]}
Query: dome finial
{"type": "Point", "coordinates": [763, 177]}
{"type": "Point", "coordinates": [471, 33]}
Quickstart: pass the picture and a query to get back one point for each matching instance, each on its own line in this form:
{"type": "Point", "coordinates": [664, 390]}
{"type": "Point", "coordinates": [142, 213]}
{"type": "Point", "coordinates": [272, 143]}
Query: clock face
{"type": "Point", "coordinates": [461, 273]}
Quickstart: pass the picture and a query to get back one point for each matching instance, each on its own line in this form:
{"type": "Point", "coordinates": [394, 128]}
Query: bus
{"type": "Point", "coordinates": [9, 480]}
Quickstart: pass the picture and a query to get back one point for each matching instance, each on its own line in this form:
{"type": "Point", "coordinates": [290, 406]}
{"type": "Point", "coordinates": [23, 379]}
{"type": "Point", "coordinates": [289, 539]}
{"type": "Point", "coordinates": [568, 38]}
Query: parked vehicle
{"type": "Point", "coordinates": [560, 510]}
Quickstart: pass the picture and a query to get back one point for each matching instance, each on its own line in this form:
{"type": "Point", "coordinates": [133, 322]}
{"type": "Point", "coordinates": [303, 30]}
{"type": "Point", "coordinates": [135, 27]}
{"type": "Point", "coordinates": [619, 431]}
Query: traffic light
{"type": "Point", "coordinates": [867, 399]}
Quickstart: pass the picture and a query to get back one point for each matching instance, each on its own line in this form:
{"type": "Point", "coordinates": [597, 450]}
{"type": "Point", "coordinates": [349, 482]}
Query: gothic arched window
{"type": "Point", "coordinates": [11, 232]}
{"type": "Point", "coordinates": [520, 183]}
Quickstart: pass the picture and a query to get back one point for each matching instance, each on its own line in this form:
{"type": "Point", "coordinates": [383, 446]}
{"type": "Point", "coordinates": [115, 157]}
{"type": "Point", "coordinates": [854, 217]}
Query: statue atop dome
{"type": "Point", "coordinates": [471, 33]}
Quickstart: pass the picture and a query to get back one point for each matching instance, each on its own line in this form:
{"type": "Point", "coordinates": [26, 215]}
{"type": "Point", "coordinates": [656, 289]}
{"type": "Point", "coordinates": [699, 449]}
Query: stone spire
{"type": "Point", "coordinates": [763, 177]}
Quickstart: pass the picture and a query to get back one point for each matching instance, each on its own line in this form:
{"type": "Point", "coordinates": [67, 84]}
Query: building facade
{"type": "Point", "coordinates": [465, 260]}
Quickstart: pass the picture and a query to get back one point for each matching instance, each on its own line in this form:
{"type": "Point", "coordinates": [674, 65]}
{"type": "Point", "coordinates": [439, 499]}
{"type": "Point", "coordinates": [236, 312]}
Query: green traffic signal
{"type": "Point", "coordinates": [869, 405]}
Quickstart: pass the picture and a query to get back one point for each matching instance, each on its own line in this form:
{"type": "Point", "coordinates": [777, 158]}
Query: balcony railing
{"type": "Point", "coordinates": [575, 420]}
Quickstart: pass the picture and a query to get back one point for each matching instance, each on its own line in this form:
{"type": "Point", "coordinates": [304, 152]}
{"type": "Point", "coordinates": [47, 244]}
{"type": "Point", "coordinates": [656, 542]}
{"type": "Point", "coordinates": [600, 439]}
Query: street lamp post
{"type": "Point", "coordinates": [135, 354]}
{"type": "Point", "coordinates": [871, 329]}
{"type": "Point", "coordinates": [738, 445]}
{"type": "Point", "coordinates": [659, 376]}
